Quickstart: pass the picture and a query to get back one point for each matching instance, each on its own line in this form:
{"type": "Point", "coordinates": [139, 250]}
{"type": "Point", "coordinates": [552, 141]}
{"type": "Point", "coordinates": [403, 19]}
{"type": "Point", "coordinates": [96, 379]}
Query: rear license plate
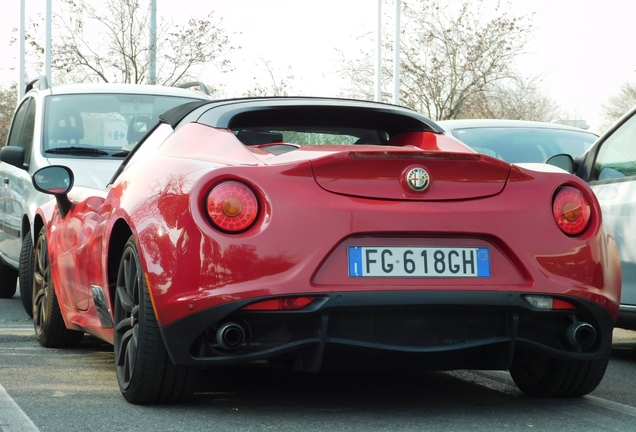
{"type": "Point", "coordinates": [409, 261]}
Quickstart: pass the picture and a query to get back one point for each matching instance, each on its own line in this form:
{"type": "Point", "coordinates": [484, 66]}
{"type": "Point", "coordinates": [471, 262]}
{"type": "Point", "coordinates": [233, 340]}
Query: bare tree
{"type": "Point", "coordinates": [34, 58]}
{"type": "Point", "coordinates": [110, 43]}
{"type": "Point", "coordinates": [358, 72]}
{"type": "Point", "coordinates": [278, 86]}
{"type": "Point", "coordinates": [516, 98]}
{"type": "Point", "coordinates": [8, 102]}
{"type": "Point", "coordinates": [619, 104]}
{"type": "Point", "coordinates": [452, 53]}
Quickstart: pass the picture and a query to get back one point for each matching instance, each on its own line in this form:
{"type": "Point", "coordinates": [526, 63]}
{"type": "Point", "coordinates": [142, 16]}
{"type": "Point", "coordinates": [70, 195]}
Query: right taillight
{"type": "Point", "coordinates": [571, 210]}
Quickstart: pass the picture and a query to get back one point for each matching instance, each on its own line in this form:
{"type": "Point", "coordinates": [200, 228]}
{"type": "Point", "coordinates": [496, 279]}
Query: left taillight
{"type": "Point", "coordinates": [232, 206]}
{"type": "Point", "coordinates": [571, 210]}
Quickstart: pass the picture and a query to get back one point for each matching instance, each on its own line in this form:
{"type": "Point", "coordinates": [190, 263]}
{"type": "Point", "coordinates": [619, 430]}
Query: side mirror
{"type": "Point", "coordinates": [55, 180]}
{"type": "Point", "coordinates": [13, 155]}
{"type": "Point", "coordinates": [563, 161]}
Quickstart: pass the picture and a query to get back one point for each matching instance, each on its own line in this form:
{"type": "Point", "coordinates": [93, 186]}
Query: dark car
{"type": "Point", "coordinates": [519, 141]}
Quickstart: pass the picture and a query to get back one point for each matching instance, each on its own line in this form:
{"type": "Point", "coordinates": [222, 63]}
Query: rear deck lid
{"type": "Point", "coordinates": [424, 167]}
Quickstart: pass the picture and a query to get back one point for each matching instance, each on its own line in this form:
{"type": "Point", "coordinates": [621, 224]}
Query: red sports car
{"type": "Point", "coordinates": [324, 233]}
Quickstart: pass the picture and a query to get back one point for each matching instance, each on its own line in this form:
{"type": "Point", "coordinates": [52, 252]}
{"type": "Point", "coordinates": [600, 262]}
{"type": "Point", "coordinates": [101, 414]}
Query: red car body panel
{"type": "Point", "coordinates": [315, 202]}
{"type": "Point", "coordinates": [284, 255]}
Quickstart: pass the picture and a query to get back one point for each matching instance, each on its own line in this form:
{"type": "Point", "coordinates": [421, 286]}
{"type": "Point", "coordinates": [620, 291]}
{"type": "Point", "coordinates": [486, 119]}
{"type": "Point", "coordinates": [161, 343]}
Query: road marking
{"type": "Point", "coordinates": [12, 418]}
{"type": "Point", "coordinates": [610, 405]}
{"type": "Point", "coordinates": [18, 329]}
{"type": "Point", "coordinates": [484, 379]}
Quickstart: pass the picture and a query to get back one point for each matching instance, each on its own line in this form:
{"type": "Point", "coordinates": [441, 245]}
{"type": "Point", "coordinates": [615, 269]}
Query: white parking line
{"type": "Point", "coordinates": [485, 381]}
{"type": "Point", "coordinates": [613, 406]}
{"type": "Point", "coordinates": [22, 329]}
{"type": "Point", "coordinates": [12, 418]}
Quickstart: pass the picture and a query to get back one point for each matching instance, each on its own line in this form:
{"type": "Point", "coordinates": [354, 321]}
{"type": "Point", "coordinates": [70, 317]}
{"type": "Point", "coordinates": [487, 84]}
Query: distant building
{"type": "Point", "coordinates": [582, 124]}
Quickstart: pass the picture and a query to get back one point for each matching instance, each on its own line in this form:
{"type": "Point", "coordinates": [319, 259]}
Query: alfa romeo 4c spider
{"type": "Point", "coordinates": [320, 234]}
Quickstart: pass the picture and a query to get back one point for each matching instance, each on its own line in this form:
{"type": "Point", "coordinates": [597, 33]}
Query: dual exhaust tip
{"type": "Point", "coordinates": [232, 336]}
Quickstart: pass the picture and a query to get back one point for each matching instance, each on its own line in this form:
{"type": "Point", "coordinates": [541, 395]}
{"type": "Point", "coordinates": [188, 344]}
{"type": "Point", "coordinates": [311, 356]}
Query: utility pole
{"type": "Point", "coordinates": [152, 72]}
{"type": "Point", "coordinates": [378, 63]}
{"type": "Point", "coordinates": [396, 58]}
{"type": "Point", "coordinates": [21, 82]}
{"type": "Point", "coordinates": [47, 43]}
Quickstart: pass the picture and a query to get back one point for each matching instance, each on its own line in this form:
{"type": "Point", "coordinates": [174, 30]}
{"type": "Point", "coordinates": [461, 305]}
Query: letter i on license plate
{"type": "Point", "coordinates": [409, 261]}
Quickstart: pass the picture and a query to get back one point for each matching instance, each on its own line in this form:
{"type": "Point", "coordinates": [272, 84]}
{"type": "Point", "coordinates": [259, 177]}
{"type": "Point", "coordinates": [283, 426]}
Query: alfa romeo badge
{"type": "Point", "coordinates": [418, 179]}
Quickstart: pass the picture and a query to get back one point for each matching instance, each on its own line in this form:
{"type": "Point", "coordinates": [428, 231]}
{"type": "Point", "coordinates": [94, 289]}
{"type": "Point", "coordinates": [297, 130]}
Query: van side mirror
{"type": "Point", "coordinates": [13, 155]}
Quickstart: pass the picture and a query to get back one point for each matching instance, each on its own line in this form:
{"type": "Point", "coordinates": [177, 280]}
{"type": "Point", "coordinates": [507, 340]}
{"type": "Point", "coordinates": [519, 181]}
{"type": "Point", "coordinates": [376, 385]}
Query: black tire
{"type": "Point", "coordinates": [8, 281]}
{"type": "Point", "coordinates": [50, 329]}
{"type": "Point", "coordinates": [538, 375]}
{"type": "Point", "coordinates": [26, 274]}
{"type": "Point", "coordinates": [145, 373]}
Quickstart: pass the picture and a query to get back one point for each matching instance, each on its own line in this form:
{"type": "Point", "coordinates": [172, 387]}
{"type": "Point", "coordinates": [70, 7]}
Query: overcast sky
{"type": "Point", "coordinates": [583, 47]}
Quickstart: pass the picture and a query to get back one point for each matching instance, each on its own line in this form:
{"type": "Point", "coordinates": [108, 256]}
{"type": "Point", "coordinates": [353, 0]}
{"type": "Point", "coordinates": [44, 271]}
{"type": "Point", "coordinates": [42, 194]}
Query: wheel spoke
{"type": "Point", "coordinates": [131, 277]}
{"type": "Point", "coordinates": [42, 316]}
{"type": "Point", "coordinates": [127, 302]}
{"type": "Point", "coordinates": [40, 301]}
{"type": "Point", "coordinates": [39, 315]}
{"type": "Point", "coordinates": [123, 326]}
{"type": "Point", "coordinates": [135, 313]}
{"type": "Point", "coordinates": [131, 352]}
{"type": "Point", "coordinates": [41, 277]}
{"type": "Point", "coordinates": [42, 255]}
{"type": "Point", "coordinates": [123, 346]}
{"type": "Point", "coordinates": [40, 298]}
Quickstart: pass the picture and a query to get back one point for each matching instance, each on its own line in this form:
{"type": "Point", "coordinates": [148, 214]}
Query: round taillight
{"type": "Point", "coordinates": [232, 206]}
{"type": "Point", "coordinates": [571, 211]}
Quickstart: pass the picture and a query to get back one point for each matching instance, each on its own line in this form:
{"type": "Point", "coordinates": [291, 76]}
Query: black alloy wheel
{"type": "Point", "coordinates": [145, 372]}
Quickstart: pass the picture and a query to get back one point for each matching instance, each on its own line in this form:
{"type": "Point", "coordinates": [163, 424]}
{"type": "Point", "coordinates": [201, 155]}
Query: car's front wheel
{"type": "Point", "coordinates": [50, 329]}
{"type": "Point", "coordinates": [144, 370]}
{"type": "Point", "coordinates": [538, 375]}
{"type": "Point", "coordinates": [26, 274]}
